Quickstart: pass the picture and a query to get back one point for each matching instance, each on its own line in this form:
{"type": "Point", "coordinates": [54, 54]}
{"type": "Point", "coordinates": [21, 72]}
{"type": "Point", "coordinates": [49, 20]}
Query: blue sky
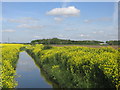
{"type": "Point", "coordinates": [26, 21]}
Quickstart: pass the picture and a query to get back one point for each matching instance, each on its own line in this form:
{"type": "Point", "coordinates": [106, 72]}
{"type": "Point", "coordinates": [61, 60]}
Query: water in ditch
{"type": "Point", "coordinates": [29, 75]}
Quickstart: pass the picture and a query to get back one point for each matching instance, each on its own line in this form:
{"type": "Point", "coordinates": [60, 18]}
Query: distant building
{"type": "Point", "coordinates": [104, 43]}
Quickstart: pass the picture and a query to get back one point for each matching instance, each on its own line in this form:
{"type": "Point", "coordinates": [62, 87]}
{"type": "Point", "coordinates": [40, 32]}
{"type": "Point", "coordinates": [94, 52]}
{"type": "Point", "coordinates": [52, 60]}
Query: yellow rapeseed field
{"type": "Point", "coordinates": [8, 59]}
{"type": "Point", "coordinates": [86, 61]}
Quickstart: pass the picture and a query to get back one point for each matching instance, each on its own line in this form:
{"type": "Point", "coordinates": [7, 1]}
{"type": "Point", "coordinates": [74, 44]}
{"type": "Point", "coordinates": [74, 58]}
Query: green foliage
{"type": "Point", "coordinates": [113, 42]}
{"type": "Point", "coordinates": [47, 47]}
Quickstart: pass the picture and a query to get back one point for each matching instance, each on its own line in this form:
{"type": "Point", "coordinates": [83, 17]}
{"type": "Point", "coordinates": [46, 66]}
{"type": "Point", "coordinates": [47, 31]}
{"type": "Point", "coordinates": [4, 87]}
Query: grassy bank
{"type": "Point", "coordinates": [78, 67]}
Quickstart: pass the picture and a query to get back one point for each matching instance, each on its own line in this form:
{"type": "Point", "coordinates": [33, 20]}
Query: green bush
{"type": "Point", "coordinates": [47, 47]}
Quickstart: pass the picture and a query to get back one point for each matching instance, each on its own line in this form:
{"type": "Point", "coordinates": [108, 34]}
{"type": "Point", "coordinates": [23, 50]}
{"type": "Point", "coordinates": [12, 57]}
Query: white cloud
{"type": "Point", "coordinates": [98, 32]}
{"type": "Point", "coordinates": [8, 30]}
{"type": "Point", "coordinates": [107, 19]}
{"type": "Point", "coordinates": [60, 36]}
{"type": "Point", "coordinates": [84, 35]}
{"type": "Point", "coordinates": [71, 29]}
{"type": "Point", "coordinates": [103, 19]}
{"type": "Point", "coordinates": [30, 26]}
{"type": "Point", "coordinates": [58, 19]}
{"type": "Point", "coordinates": [94, 32]}
{"type": "Point", "coordinates": [68, 11]}
{"type": "Point", "coordinates": [23, 20]}
{"type": "Point", "coordinates": [37, 36]}
{"type": "Point", "coordinates": [87, 21]}
{"type": "Point", "coordinates": [1, 18]}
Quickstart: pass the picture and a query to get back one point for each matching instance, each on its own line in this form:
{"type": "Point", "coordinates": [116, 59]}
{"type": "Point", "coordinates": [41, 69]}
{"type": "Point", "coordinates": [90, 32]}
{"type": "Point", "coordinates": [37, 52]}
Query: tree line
{"type": "Point", "coordinates": [66, 42]}
{"type": "Point", "coordinates": [113, 42]}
